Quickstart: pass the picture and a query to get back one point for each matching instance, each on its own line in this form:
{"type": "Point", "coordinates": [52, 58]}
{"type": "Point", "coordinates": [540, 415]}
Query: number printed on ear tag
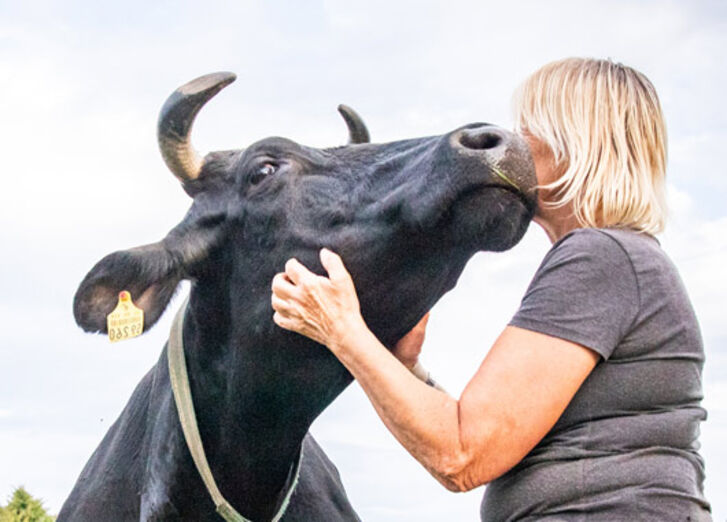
{"type": "Point", "coordinates": [126, 321]}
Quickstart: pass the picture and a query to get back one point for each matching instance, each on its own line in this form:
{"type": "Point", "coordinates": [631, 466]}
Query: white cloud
{"type": "Point", "coordinates": [692, 160]}
{"type": "Point", "coordinates": [698, 247]}
{"type": "Point", "coordinates": [715, 397]}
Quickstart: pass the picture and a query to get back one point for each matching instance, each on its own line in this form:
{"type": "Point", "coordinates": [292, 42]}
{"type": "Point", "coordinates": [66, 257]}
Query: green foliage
{"type": "Point", "coordinates": [22, 507]}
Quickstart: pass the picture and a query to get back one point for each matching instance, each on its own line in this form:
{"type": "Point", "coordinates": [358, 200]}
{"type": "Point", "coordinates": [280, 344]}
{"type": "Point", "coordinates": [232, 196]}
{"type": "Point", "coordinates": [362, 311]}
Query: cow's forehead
{"type": "Point", "coordinates": [273, 144]}
{"type": "Point", "coordinates": [371, 152]}
{"type": "Point", "coordinates": [278, 147]}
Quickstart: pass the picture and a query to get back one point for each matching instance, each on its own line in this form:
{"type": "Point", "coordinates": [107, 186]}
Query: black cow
{"type": "Point", "coordinates": [405, 217]}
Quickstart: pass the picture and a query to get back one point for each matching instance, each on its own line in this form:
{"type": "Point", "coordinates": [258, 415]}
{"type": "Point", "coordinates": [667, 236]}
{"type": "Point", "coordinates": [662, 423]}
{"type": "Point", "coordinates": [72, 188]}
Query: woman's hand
{"type": "Point", "coordinates": [521, 389]}
{"type": "Point", "coordinates": [409, 347]}
{"type": "Point", "coordinates": [324, 309]}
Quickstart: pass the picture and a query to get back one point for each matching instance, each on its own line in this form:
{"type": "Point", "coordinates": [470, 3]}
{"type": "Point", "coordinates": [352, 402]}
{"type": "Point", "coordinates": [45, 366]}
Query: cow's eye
{"type": "Point", "coordinates": [264, 171]}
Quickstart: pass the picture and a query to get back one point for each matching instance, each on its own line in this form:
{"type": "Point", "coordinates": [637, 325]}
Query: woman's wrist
{"type": "Point", "coordinates": [351, 335]}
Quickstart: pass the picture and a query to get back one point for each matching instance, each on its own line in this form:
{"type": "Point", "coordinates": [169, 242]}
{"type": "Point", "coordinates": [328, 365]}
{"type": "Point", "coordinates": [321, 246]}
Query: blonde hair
{"type": "Point", "coordinates": [603, 122]}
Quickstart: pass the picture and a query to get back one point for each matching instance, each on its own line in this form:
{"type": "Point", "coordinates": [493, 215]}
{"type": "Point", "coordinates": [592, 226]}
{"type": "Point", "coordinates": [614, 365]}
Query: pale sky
{"type": "Point", "coordinates": [82, 84]}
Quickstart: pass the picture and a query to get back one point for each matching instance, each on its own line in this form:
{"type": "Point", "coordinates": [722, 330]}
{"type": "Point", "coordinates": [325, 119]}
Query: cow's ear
{"type": "Point", "coordinates": [151, 273]}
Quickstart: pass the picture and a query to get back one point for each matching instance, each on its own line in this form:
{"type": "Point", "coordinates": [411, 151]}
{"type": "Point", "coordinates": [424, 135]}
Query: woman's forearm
{"type": "Point", "coordinates": [450, 438]}
{"type": "Point", "coordinates": [516, 396]}
{"type": "Point", "coordinates": [426, 421]}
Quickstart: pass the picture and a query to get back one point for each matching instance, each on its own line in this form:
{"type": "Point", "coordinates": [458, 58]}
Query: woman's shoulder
{"type": "Point", "coordinates": [598, 257]}
{"type": "Point", "coordinates": [585, 291]}
{"type": "Point", "coordinates": [624, 238]}
{"type": "Point", "coordinates": [587, 246]}
{"type": "Point", "coordinates": [608, 245]}
{"type": "Point", "coordinates": [630, 263]}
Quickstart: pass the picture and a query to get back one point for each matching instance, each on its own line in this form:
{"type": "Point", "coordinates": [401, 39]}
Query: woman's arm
{"type": "Point", "coordinates": [515, 397]}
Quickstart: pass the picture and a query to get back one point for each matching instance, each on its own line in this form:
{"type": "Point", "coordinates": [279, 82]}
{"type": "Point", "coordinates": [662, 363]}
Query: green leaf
{"type": "Point", "coordinates": [22, 507]}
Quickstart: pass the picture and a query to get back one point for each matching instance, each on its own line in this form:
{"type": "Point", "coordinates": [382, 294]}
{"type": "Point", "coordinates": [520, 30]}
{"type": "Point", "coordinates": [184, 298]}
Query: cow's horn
{"type": "Point", "coordinates": [357, 131]}
{"type": "Point", "coordinates": [177, 117]}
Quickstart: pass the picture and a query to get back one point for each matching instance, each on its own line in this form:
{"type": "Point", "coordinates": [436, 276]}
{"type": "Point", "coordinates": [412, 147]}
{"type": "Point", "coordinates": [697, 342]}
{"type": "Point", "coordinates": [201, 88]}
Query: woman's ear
{"type": "Point", "coordinates": [150, 273]}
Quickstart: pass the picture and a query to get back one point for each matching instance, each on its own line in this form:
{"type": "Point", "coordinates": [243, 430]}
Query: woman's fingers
{"type": "Point", "coordinates": [298, 274]}
{"type": "Point", "coordinates": [421, 326]}
{"type": "Point", "coordinates": [283, 322]}
{"type": "Point", "coordinates": [337, 272]}
{"type": "Point", "coordinates": [284, 294]}
{"type": "Point", "coordinates": [321, 308]}
{"type": "Point", "coordinates": [283, 306]}
{"type": "Point", "coordinates": [283, 287]}
{"type": "Point", "coordinates": [296, 271]}
{"type": "Point", "coordinates": [409, 347]}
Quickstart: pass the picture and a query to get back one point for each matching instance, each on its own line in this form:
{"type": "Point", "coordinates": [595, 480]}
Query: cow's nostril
{"type": "Point", "coordinates": [480, 139]}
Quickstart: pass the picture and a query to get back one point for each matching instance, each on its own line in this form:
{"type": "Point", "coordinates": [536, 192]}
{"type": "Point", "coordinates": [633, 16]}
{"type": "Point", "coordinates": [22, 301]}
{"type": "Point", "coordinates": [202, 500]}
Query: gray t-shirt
{"type": "Point", "coordinates": [626, 446]}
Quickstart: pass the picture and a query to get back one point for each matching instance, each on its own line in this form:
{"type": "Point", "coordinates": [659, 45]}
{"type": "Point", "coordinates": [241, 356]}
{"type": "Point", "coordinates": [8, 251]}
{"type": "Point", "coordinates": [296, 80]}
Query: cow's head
{"type": "Point", "coordinates": [404, 216]}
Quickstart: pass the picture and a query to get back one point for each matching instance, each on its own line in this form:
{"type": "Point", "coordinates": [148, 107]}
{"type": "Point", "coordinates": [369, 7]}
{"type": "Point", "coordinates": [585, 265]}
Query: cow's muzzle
{"type": "Point", "coordinates": [505, 158]}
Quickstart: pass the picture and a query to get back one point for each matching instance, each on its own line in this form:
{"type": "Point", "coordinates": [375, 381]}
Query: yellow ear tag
{"type": "Point", "coordinates": [126, 321]}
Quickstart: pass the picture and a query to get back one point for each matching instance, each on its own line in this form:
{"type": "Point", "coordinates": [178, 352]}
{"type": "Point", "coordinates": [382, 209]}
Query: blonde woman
{"type": "Point", "coordinates": [588, 404]}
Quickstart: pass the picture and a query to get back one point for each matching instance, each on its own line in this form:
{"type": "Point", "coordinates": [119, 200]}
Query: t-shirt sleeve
{"type": "Point", "coordinates": [585, 291]}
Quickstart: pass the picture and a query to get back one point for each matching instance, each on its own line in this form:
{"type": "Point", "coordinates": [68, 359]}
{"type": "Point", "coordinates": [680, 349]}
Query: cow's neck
{"type": "Point", "coordinates": [256, 391]}
{"type": "Point", "coordinates": [257, 388]}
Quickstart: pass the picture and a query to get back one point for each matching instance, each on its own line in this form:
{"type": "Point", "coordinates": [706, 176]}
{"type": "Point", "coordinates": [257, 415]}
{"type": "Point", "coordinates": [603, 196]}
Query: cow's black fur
{"type": "Point", "coordinates": [405, 217]}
